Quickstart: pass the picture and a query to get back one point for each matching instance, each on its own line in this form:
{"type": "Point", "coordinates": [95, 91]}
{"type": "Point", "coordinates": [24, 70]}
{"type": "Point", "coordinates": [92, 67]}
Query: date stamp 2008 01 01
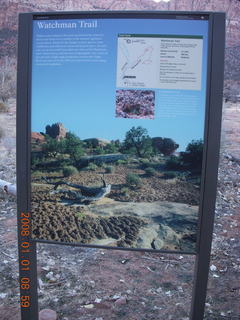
{"type": "Point", "coordinates": [24, 259]}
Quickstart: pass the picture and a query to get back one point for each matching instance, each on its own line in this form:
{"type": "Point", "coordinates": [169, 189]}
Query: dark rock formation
{"type": "Point", "coordinates": [56, 131]}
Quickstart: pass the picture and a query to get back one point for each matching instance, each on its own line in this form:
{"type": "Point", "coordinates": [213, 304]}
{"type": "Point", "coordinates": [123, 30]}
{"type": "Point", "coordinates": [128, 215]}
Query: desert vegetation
{"type": "Point", "coordinates": [72, 175]}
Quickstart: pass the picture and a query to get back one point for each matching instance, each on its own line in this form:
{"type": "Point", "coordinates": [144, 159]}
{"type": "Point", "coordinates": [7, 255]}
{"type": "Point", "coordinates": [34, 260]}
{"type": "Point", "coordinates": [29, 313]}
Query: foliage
{"type": "Point", "coordinates": [109, 169]}
{"type": "Point", "coordinates": [192, 157]}
{"type": "Point", "coordinates": [80, 215]}
{"type": "Point", "coordinates": [145, 163]}
{"type": "Point", "coordinates": [37, 173]}
{"type": "Point", "coordinates": [69, 171]}
{"type": "Point", "coordinates": [138, 142]}
{"type": "Point", "coordinates": [121, 162]}
{"type": "Point", "coordinates": [51, 147]}
{"type": "Point", "coordinates": [92, 167]}
{"type": "Point", "coordinates": [166, 146]}
{"type": "Point", "coordinates": [170, 174]}
{"type": "Point", "coordinates": [35, 161]}
{"type": "Point", "coordinates": [110, 148]}
{"type": "Point", "coordinates": [125, 191]}
{"type": "Point", "coordinates": [73, 146]}
{"type": "Point", "coordinates": [150, 171]}
{"type": "Point", "coordinates": [133, 180]}
{"type": "Point", "coordinates": [99, 150]}
{"type": "Point", "coordinates": [173, 163]}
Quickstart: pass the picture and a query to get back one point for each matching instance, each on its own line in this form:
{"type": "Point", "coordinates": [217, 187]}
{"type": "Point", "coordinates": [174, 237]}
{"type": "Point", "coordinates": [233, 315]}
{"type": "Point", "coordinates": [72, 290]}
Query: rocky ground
{"type": "Point", "coordinates": [91, 284]}
{"type": "Point", "coordinates": [151, 188]}
{"type": "Point", "coordinates": [158, 214]}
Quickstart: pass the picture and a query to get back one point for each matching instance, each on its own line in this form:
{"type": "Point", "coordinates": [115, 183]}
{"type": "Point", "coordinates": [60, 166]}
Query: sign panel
{"type": "Point", "coordinates": [118, 135]}
{"type": "Point", "coordinates": [117, 130]}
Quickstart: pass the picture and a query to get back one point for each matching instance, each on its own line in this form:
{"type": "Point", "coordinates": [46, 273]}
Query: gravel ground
{"type": "Point", "coordinates": [90, 284]}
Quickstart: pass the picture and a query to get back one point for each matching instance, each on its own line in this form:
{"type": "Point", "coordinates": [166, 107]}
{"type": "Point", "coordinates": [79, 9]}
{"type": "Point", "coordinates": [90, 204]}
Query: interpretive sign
{"type": "Point", "coordinates": [117, 124]}
{"type": "Point", "coordinates": [118, 131]}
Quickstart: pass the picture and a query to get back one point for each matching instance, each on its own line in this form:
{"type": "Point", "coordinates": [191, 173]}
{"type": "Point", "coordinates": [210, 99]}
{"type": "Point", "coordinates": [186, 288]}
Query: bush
{"type": "Point", "coordinates": [125, 191]}
{"type": "Point", "coordinates": [192, 157]}
{"type": "Point", "coordinates": [173, 163]}
{"type": "Point", "coordinates": [69, 171]}
{"type": "Point", "coordinates": [121, 162]}
{"type": "Point", "coordinates": [37, 173]}
{"type": "Point", "coordinates": [166, 146]}
{"type": "Point", "coordinates": [35, 161]}
{"type": "Point", "coordinates": [109, 169]}
{"type": "Point", "coordinates": [92, 167]}
{"type": "Point", "coordinates": [170, 175]}
{"type": "Point", "coordinates": [80, 215]}
{"type": "Point", "coordinates": [145, 163]}
{"type": "Point", "coordinates": [150, 171]}
{"type": "Point", "coordinates": [3, 107]}
{"type": "Point", "coordinates": [133, 179]}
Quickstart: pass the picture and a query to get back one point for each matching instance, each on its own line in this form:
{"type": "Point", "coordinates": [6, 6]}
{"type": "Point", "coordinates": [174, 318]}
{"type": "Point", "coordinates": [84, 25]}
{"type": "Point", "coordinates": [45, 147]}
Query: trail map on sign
{"type": "Point", "coordinates": [135, 60]}
{"type": "Point", "coordinates": [159, 61]}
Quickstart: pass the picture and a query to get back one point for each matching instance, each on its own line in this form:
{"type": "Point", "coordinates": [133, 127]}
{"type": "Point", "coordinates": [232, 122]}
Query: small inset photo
{"type": "Point", "coordinates": [135, 104]}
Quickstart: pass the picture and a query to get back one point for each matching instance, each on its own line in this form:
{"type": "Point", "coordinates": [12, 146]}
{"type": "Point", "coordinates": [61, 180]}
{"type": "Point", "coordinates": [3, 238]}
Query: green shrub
{"type": "Point", "coordinates": [92, 167]}
{"type": "Point", "coordinates": [35, 161]}
{"type": "Point", "coordinates": [170, 175]}
{"type": "Point", "coordinates": [109, 169]}
{"type": "Point", "coordinates": [69, 171]}
{"type": "Point", "coordinates": [80, 215]}
{"type": "Point", "coordinates": [173, 163]}
{"type": "Point", "coordinates": [121, 162]}
{"type": "Point", "coordinates": [145, 163]}
{"type": "Point", "coordinates": [133, 180]}
{"type": "Point", "coordinates": [125, 191]}
{"type": "Point", "coordinates": [3, 107]}
{"type": "Point", "coordinates": [192, 157]}
{"type": "Point", "coordinates": [150, 171]}
{"type": "Point", "coordinates": [37, 173]}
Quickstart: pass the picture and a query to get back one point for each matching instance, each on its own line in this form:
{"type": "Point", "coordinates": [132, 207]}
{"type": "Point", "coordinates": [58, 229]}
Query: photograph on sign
{"type": "Point", "coordinates": [117, 131]}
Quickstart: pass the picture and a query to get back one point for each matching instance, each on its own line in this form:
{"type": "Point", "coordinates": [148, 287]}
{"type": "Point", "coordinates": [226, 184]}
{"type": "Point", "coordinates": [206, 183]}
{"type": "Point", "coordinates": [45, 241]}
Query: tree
{"type": "Point", "coordinates": [110, 148]}
{"type": "Point", "coordinates": [52, 147]}
{"type": "Point", "coordinates": [73, 146]}
{"type": "Point", "coordinates": [166, 146]}
{"type": "Point", "coordinates": [192, 157]}
{"type": "Point", "coordinates": [137, 141]}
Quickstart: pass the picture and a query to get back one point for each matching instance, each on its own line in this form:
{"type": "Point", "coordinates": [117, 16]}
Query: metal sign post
{"type": "Point", "coordinates": [210, 185]}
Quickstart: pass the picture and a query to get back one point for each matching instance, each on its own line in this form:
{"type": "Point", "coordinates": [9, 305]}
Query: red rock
{"type": "Point", "coordinates": [37, 137]}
